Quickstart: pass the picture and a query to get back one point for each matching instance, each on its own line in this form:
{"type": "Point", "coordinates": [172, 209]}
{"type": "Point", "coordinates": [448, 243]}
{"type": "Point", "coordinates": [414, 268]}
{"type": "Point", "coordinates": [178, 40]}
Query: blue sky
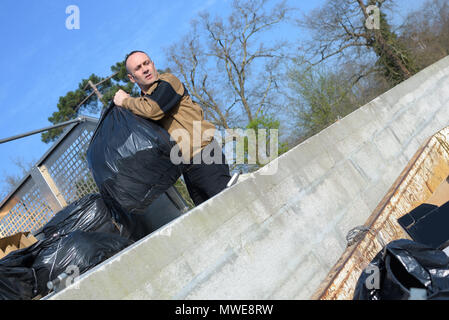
{"type": "Point", "coordinates": [43, 60]}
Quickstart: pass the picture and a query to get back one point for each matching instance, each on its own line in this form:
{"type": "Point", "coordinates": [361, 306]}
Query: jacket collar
{"type": "Point", "coordinates": [150, 89]}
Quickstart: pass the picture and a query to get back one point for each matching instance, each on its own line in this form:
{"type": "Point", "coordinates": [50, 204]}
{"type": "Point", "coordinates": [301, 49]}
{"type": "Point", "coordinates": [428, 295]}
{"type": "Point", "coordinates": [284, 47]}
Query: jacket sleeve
{"type": "Point", "coordinates": [168, 94]}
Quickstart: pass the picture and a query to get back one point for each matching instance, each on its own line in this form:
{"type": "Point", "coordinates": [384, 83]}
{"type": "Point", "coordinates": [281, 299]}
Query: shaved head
{"type": "Point", "coordinates": [130, 54]}
{"type": "Point", "coordinates": [141, 69]}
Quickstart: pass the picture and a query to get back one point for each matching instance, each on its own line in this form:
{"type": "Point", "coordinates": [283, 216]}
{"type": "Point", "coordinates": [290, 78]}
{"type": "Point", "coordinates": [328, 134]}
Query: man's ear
{"type": "Point", "coordinates": [131, 78]}
{"type": "Point", "coordinates": [155, 70]}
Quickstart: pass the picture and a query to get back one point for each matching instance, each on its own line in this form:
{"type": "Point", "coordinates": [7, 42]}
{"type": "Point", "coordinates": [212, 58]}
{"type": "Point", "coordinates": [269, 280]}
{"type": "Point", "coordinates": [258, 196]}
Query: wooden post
{"type": "Point", "coordinates": [98, 93]}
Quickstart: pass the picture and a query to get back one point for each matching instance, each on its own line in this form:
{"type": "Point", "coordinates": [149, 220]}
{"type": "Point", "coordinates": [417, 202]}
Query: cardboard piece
{"type": "Point", "coordinates": [15, 242]}
{"type": "Point", "coordinates": [441, 194]}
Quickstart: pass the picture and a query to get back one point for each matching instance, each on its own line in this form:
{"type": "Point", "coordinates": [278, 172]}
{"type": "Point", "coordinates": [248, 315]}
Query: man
{"type": "Point", "coordinates": [164, 99]}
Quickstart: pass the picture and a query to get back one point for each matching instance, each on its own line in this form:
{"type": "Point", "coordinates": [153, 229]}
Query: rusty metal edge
{"type": "Point", "coordinates": [348, 253]}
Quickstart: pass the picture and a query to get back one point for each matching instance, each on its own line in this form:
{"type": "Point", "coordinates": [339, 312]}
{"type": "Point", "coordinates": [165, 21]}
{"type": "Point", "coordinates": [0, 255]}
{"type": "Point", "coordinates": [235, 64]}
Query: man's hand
{"type": "Point", "coordinates": [119, 97]}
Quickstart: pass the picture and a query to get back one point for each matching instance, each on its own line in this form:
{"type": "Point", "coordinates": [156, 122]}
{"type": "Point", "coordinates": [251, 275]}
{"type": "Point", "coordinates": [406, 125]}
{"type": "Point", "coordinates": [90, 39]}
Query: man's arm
{"type": "Point", "coordinates": [167, 95]}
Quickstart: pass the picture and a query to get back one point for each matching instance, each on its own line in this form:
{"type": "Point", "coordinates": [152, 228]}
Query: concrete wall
{"type": "Point", "coordinates": [277, 236]}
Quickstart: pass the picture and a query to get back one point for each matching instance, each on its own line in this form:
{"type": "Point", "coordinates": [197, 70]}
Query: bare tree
{"type": "Point", "coordinates": [217, 60]}
{"type": "Point", "coordinates": [425, 32]}
{"type": "Point", "coordinates": [10, 180]}
{"type": "Point", "coordinates": [339, 30]}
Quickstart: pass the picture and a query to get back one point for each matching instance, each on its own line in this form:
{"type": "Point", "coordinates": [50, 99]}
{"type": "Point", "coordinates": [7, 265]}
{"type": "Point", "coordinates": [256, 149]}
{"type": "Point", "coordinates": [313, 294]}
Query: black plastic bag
{"type": "Point", "coordinates": [404, 264]}
{"type": "Point", "coordinates": [129, 158]}
{"type": "Point", "coordinates": [24, 273]}
{"type": "Point", "coordinates": [82, 234]}
{"type": "Point", "coordinates": [427, 224]}
{"type": "Point", "coordinates": [80, 250]}
{"type": "Point", "coordinates": [89, 213]}
{"type": "Point", "coordinates": [18, 280]}
{"type": "Point", "coordinates": [17, 283]}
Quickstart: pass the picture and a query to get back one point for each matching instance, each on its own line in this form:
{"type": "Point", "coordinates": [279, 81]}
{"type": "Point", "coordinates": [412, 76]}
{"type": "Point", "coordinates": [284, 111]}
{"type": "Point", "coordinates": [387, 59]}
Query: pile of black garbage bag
{"type": "Point", "coordinates": [129, 158]}
{"type": "Point", "coordinates": [81, 235]}
{"type": "Point", "coordinates": [402, 266]}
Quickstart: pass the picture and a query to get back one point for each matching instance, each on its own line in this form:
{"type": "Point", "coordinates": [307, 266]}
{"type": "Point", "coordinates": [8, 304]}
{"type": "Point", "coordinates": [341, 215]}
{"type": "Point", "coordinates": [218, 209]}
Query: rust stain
{"type": "Point", "coordinates": [423, 180]}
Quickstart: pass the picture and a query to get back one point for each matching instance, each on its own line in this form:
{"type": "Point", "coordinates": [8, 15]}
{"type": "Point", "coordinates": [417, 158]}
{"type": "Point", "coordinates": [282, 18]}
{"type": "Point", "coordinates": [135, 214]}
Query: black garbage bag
{"type": "Point", "coordinates": [404, 264]}
{"type": "Point", "coordinates": [129, 158]}
{"type": "Point", "coordinates": [18, 280]}
{"type": "Point", "coordinates": [78, 250]}
{"type": "Point", "coordinates": [17, 283]}
{"type": "Point", "coordinates": [89, 213]}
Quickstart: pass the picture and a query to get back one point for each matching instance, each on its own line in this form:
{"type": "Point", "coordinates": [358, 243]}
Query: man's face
{"type": "Point", "coordinates": [141, 70]}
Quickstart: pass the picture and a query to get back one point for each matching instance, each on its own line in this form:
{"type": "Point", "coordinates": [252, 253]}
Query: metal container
{"type": "Point", "coordinates": [424, 180]}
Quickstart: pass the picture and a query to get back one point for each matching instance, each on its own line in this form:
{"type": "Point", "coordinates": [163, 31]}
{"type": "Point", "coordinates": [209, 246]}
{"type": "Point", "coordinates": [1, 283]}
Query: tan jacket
{"type": "Point", "coordinates": [168, 102]}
